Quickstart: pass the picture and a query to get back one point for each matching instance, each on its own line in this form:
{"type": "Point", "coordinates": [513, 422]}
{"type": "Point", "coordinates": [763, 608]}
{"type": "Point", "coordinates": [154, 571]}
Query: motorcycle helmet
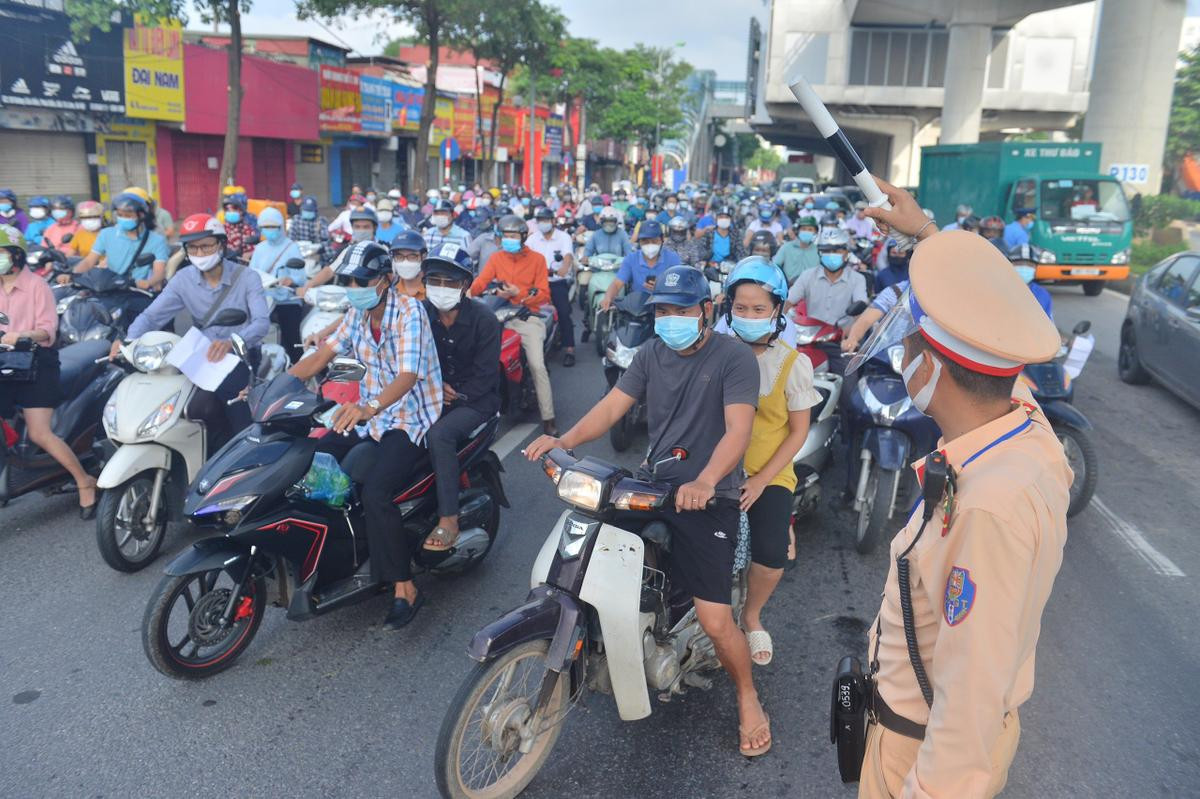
{"type": "Point", "coordinates": [543, 212]}
{"type": "Point", "coordinates": [756, 269]}
{"type": "Point", "coordinates": [833, 238]}
{"type": "Point", "coordinates": [970, 224]}
{"type": "Point", "coordinates": [362, 261]}
{"type": "Point", "coordinates": [90, 209]}
{"type": "Point", "coordinates": [64, 202]}
{"type": "Point", "coordinates": [13, 241]}
{"type": "Point", "coordinates": [992, 223]}
{"type": "Point", "coordinates": [511, 223]}
{"type": "Point", "coordinates": [450, 260]}
{"type": "Point", "coordinates": [10, 195]}
{"type": "Point", "coordinates": [199, 226]}
{"type": "Point", "coordinates": [235, 195]}
{"type": "Point", "coordinates": [39, 201]}
{"type": "Point", "coordinates": [128, 201]}
{"type": "Point", "coordinates": [364, 213]}
{"type": "Point", "coordinates": [764, 238]}
{"type": "Point", "coordinates": [681, 285]}
{"type": "Point", "coordinates": [650, 229]}
{"type": "Point", "coordinates": [609, 213]}
{"type": "Point", "coordinates": [678, 225]}
{"type": "Point", "coordinates": [409, 240]}
{"type": "Point", "coordinates": [309, 203]}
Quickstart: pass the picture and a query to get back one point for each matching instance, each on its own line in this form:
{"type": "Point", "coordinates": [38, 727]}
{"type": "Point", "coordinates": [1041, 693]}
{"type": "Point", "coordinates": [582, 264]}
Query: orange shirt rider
{"type": "Point", "coordinates": [523, 275]}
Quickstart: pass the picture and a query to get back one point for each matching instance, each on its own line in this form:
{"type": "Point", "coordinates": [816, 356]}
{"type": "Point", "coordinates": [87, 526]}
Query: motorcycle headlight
{"type": "Point", "coordinates": [332, 304]}
{"type": "Point", "coordinates": [621, 355]}
{"type": "Point", "coordinates": [110, 418]}
{"type": "Point", "coordinates": [231, 507]}
{"type": "Point", "coordinates": [61, 308]}
{"type": "Point", "coordinates": [1120, 258]}
{"type": "Point", "coordinates": [580, 489]}
{"type": "Point", "coordinates": [150, 357]}
{"type": "Point", "coordinates": [884, 414]}
{"type": "Point", "coordinates": [1047, 257]}
{"type": "Point", "coordinates": [162, 414]}
{"type": "Point", "coordinates": [896, 357]}
{"type": "Point", "coordinates": [806, 333]}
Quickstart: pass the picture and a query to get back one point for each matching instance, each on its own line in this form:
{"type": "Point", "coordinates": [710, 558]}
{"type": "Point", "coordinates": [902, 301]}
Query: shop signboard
{"type": "Point", "coordinates": [465, 121]}
{"type": "Point", "coordinates": [341, 100]}
{"type": "Point", "coordinates": [553, 141]}
{"type": "Point", "coordinates": [376, 105]}
{"type": "Point", "coordinates": [443, 121]}
{"type": "Point", "coordinates": [153, 53]}
{"type": "Point", "coordinates": [406, 106]}
{"type": "Point", "coordinates": [42, 67]}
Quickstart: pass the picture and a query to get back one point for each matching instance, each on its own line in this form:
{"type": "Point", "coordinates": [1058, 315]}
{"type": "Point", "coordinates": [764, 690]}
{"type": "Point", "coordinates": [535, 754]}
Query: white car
{"type": "Point", "coordinates": [796, 189]}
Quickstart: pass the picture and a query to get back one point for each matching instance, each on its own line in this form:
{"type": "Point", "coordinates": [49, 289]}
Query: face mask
{"type": "Point", "coordinates": [610, 227]}
{"type": "Point", "coordinates": [511, 245]}
{"type": "Point", "coordinates": [370, 198]}
{"type": "Point", "coordinates": [441, 220]}
{"type": "Point", "coordinates": [545, 227]}
{"type": "Point", "coordinates": [5, 208]}
{"type": "Point", "coordinates": [272, 234]}
{"type": "Point", "coordinates": [385, 216]}
{"type": "Point", "coordinates": [485, 201]}
{"type": "Point", "coordinates": [295, 194]}
{"type": "Point", "coordinates": [724, 224]}
{"type": "Point", "coordinates": [1027, 224]}
{"type": "Point", "coordinates": [444, 298]}
{"type": "Point", "coordinates": [363, 298]}
{"type": "Point", "coordinates": [362, 235]}
{"type": "Point", "coordinates": [752, 329]}
{"type": "Point", "coordinates": [925, 395]}
{"type": "Point", "coordinates": [90, 224]}
{"type": "Point", "coordinates": [525, 201]}
{"type": "Point", "coordinates": [960, 219]}
{"type": "Point", "coordinates": [406, 270]}
{"type": "Point", "coordinates": [6, 263]}
{"type": "Point", "coordinates": [308, 214]}
{"type": "Point", "coordinates": [765, 216]}
{"type": "Point", "coordinates": [809, 206]}
{"type": "Point", "coordinates": [671, 207]}
{"type": "Point", "coordinates": [59, 213]}
{"type": "Point", "coordinates": [806, 236]}
{"type": "Point", "coordinates": [1026, 273]}
{"type": "Point", "coordinates": [126, 224]}
{"type": "Point", "coordinates": [651, 250]}
{"type": "Point", "coordinates": [677, 332]}
{"type": "Point", "coordinates": [833, 261]}
{"type": "Point", "coordinates": [233, 217]}
{"type": "Point", "coordinates": [205, 262]}
{"type": "Point", "coordinates": [37, 213]}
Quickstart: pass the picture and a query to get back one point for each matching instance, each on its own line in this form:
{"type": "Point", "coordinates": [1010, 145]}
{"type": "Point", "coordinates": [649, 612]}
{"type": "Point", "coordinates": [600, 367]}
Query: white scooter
{"type": "Point", "coordinates": [159, 451]}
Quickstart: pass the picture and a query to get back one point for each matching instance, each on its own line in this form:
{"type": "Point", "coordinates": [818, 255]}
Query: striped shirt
{"type": "Point", "coordinates": [405, 346]}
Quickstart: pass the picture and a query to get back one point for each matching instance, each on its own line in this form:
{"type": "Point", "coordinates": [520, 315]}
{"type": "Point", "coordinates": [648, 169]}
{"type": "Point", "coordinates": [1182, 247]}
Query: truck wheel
{"type": "Point", "coordinates": [1092, 288]}
{"type": "Point", "coordinates": [877, 508]}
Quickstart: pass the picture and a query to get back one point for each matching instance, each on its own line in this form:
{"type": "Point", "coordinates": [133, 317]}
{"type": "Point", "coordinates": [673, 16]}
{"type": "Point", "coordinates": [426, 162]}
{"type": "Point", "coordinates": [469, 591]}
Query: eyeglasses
{"type": "Point", "coordinates": [409, 256]}
{"type": "Point", "coordinates": [268, 227]}
{"type": "Point", "coordinates": [347, 280]}
{"type": "Point", "coordinates": [202, 249]}
{"type": "Point", "coordinates": [441, 281]}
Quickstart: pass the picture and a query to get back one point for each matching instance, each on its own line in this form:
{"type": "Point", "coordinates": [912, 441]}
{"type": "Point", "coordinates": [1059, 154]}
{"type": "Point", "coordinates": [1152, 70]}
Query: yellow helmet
{"type": "Point", "coordinates": [138, 191]}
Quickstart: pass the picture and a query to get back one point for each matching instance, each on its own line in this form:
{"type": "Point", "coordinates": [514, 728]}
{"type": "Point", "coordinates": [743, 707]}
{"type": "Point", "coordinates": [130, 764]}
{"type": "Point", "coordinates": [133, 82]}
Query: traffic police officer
{"type": "Point", "coordinates": [943, 720]}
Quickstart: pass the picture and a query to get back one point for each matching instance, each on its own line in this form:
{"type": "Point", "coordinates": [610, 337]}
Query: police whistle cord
{"type": "Point", "coordinates": [835, 137]}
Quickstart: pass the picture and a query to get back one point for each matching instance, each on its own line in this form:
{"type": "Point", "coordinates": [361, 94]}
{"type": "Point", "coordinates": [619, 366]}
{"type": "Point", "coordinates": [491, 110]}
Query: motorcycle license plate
{"type": "Point", "coordinates": [1090, 272]}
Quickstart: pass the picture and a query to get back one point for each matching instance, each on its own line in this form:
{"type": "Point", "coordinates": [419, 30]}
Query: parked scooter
{"type": "Point", "coordinates": [888, 434]}
{"type": "Point", "coordinates": [1052, 385]}
{"type": "Point", "coordinates": [634, 326]}
{"type": "Point", "coordinates": [287, 522]}
{"type": "Point", "coordinates": [102, 306]}
{"type": "Point", "coordinates": [160, 450]}
{"type": "Point", "coordinates": [517, 392]}
{"type": "Point", "coordinates": [87, 383]}
{"type": "Point", "coordinates": [602, 615]}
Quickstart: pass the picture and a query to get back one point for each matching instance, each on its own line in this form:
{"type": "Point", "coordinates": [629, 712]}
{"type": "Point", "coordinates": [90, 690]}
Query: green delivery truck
{"type": "Point", "coordinates": [1082, 221]}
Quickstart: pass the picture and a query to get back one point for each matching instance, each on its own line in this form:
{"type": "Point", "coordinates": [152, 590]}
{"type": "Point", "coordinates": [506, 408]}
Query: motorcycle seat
{"type": "Point", "coordinates": [77, 365]}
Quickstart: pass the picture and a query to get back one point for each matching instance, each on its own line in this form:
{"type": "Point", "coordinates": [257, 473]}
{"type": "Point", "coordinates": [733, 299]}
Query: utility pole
{"type": "Point", "coordinates": [531, 188]}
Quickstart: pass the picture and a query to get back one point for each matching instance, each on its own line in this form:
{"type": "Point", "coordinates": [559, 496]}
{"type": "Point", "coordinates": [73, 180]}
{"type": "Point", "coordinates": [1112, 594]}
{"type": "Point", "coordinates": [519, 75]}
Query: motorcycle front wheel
{"type": "Point", "coordinates": [182, 632]}
{"type": "Point", "coordinates": [1081, 457]}
{"type": "Point", "coordinates": [491, 744]}
{"type": "Point", "coordinates": [877, 507]}
{"type": "Point", "coordinates": [126, 542]}
{"type": "Point", "coordinates": [621, 434]}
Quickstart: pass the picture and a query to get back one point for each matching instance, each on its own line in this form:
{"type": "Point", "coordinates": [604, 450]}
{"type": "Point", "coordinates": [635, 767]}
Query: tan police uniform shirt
{"type": "Point", "coordinates": [978, 594]}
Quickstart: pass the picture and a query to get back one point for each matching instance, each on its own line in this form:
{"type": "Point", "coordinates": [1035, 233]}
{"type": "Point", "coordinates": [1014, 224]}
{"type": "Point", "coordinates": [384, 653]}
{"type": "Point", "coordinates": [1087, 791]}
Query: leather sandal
{"type": "Point", "coordinates": [440, 540]}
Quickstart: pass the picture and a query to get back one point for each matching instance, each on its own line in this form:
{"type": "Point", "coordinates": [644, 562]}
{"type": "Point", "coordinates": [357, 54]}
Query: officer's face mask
{"type": "Point", "coordinates": [924, 396]}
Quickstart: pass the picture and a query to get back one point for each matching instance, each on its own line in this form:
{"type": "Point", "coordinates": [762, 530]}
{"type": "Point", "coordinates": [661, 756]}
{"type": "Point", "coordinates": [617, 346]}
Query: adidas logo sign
{"type": "Point", "coordinates": [68, 55]}
{"type": "Point", "coordinates": [19, 86]}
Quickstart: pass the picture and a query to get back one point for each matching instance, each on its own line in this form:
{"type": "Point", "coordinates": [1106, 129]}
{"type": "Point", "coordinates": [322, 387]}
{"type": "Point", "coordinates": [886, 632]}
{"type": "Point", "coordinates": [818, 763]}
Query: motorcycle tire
{"type": "Point", "coordinates": [118, 526]}
{"type": "Point", "coordinates": [477, 692]}
{"type": "Point", "coordinates": [1081, 454]}
{"type": "Point", "coordinates": [875, 513]}
{"type": "Point", "coordinates": [600, 331]}
{"type": "Point", "coordinates": [170, 659]}
{"type": "Point", "coordinates": [621, 434]}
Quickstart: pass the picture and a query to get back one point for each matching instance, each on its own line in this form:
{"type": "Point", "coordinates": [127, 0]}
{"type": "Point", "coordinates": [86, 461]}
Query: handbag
{"type": "Point", "coordinates": [18, 366]}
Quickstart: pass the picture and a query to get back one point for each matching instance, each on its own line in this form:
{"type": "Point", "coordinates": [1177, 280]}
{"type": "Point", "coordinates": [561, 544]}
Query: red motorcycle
{"type": "Point", "coordinates": [816, 339]}
{"type": "Point", "coordinates": [517, 393]}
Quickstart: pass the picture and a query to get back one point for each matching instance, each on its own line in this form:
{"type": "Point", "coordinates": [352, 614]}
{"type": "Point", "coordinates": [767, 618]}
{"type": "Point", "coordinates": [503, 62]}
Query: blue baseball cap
{"type": "Point", "coordinates": [650, 229]}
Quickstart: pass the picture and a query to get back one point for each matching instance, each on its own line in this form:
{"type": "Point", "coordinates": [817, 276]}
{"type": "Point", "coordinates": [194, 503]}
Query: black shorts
{"type": "Point", "coordinates": [702, 549]}
{"type": "Point", "coordinates": [44, 391]}
{"type": "Point", "coordinates": [769, 517]}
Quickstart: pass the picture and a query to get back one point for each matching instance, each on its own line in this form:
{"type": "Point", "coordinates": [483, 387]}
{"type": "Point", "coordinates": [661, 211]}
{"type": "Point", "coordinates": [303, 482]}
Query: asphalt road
{"type": "Point", "coordinates": [338, 707]}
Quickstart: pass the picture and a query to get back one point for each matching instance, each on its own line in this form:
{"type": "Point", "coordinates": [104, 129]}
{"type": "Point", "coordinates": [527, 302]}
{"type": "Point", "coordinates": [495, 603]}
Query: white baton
{"type": "Point", "coordinates": [802, 90]}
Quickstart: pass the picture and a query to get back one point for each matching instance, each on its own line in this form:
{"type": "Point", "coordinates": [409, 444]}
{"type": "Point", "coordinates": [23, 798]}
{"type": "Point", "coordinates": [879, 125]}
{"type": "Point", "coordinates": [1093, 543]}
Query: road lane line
{"type": "Point", "coordinates": [509, 441]}
{"type": "Point", "coordinates": [1158, 562]}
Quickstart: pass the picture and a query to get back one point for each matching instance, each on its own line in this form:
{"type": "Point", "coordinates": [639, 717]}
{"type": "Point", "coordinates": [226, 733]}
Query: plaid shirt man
{"type": "Point", "coordinates": [313, 230]}
{"type": "Point", "coordinates": [405, 345]}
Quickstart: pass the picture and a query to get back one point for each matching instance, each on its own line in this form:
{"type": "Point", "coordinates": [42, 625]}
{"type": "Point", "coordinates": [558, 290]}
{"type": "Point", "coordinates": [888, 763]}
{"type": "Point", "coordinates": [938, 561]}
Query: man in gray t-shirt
{"type": "Point", "coordinates": [701, 391]}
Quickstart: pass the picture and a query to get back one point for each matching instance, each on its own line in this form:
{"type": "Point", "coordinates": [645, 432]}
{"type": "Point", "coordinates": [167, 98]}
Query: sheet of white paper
{"type": "Point", "coordinates": [1081, 348]}
{"type": "Point", "coordinates": [190, 356]}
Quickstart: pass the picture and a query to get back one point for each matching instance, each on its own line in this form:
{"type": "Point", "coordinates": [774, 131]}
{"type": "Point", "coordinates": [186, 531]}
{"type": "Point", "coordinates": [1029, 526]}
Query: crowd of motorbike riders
{"type": "Point", "coordinates": [719, 265]}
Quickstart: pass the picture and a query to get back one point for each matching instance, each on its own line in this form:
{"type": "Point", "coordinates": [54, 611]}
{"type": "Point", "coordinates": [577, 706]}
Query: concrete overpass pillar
{"type": "Point", "coordinates": [1133, 77]}
{"type": "Point", "coordinates": [966, 70]}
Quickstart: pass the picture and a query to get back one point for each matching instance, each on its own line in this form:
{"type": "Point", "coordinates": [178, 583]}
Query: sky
{"type": "Point", "coordinates": [714, 32]}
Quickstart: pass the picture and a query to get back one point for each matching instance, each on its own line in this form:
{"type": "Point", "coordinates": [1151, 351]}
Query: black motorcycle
{"type": "Point", "coordinates": [283, 542]}
{"type": "Point", "coordinates": [101, 305]}
{"type": "Point", "coordinates": [632, 327]}
{"type": "Point", "coordinates": [87, 381]}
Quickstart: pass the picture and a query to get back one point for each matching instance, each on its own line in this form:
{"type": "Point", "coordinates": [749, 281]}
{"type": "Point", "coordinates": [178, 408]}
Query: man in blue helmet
{"type": "Point", "coordinates": [640, 269]}
{"type": "Point", "coordinates": [701, 391]}
{"type": "Point", "coordinates": [124, 243]}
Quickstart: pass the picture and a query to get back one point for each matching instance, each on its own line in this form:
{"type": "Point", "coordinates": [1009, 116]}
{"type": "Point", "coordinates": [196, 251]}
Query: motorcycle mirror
{"type": "Point", "coordinates": [1082, 327]}
{"type": "Point", "coordinates": [228, 317]}
{"type": "Point", "coordinates": [145, 259]}
{"type": "Point", "coordinates": [345, 370]}
{"type": "Point", "coordinates": [66, 239]}
{"type": "Point", "coordinates": [856, 308]}
{"type": "Point", "coordinates": [239, 345]}
{"type": "Point", "coordinates": [711, 273]}
{"type": "Point", "coordinates": [294, 263]}
{"type": "Point", "coordinates": [3, 318]}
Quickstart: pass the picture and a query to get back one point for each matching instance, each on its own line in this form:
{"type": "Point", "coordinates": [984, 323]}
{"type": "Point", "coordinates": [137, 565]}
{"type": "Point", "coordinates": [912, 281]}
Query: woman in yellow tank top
{"type": "Point", "coordinates": [756, 293]}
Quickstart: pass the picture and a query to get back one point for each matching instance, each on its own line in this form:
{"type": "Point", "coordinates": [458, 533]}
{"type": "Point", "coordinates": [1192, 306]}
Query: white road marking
{"type": "Point", "coordinates": [510, 440]}
{"type": "Point", "coordinates": [1158, 562]}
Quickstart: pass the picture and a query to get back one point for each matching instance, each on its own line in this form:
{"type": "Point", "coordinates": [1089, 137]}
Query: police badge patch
{"type": "Point", "coordinates": [960, 595]}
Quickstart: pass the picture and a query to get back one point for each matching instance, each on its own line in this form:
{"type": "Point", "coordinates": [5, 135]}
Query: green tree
{"type": "Point", "coordinates": [88, 15]}
{"type": "Point", "coordinates": [764, 158]}
{"type": "Point", "coordinates": [646, 105]}
{"type": "Point", "coordinates": [1183, 133]}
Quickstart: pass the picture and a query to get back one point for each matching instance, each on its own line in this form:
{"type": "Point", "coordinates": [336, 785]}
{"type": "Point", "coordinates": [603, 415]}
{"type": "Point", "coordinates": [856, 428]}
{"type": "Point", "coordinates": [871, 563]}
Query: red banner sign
{"type": "Point", "coordinates": [341, 100]}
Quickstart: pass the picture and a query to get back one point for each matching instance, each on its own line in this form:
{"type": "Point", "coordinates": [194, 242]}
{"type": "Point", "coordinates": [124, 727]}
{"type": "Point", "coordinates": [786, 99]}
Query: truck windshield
{"type": "Point", "coordinates": [796, 186]}
{"type": "Point", "coordinates": [1065, 201]}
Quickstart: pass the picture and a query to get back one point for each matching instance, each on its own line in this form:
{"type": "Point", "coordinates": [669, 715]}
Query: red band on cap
{"type": "Point", "coordinates": [974, 366]}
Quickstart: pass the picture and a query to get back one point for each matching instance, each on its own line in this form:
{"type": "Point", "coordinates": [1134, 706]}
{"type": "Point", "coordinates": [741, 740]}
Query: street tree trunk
{"type": "Point", "coordinates": [490, 152]}
{"type": "Point", "coordinates": [429, 102]}
{"type": "Point", "coordinates": [483, 142]}
{"type": "Point", "coordinates": [233, 113]}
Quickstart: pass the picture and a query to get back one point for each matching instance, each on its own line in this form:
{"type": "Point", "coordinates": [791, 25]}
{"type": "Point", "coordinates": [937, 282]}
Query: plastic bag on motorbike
{"type": "Point", "coordinates": [325, 481]}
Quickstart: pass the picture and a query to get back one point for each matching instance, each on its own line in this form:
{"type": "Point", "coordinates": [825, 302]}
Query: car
{"type": "Point", "coordinates": [851, 193]}
{"type": "Point", "coordinates": [1160, 337]}
{"type": "Point", "coordinates": [796, 189]}
{"type": "Point", "coordinates": [821, 201]}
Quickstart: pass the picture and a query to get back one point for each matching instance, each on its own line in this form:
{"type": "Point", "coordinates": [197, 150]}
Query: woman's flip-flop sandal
{"type": "Point", "coordinates": [749, 736]}
{"type": "Point", "coordinates": [440, 540]}
{"type": "Point", "coordinates": [760, 641]}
